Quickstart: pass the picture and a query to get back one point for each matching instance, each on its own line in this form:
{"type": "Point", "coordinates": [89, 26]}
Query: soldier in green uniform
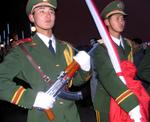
{"type": "Point", "coordinates": [42, 14]}
{"type": "Point", "coordinates": [109, 84]}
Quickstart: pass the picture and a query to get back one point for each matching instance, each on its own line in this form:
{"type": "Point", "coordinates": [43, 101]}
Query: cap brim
{"type": "Point", "coordinates": [115, 12]}
{"type": "Point", "coordinates": [42, 4]}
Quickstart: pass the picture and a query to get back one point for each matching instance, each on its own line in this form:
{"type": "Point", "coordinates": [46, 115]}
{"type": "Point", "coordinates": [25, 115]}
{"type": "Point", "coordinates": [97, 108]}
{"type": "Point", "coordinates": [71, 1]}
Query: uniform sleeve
{"type": "Point", "coordinates": [111, 82]}
{"type": "Point", "coordinates": [9, 90]}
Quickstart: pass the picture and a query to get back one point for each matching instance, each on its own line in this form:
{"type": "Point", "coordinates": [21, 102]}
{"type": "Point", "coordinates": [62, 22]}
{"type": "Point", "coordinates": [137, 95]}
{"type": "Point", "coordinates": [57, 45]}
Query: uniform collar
{"type": "Point", "coordinates": [46, 40]}
{"type": "Point", "coordinates": [118, 41]}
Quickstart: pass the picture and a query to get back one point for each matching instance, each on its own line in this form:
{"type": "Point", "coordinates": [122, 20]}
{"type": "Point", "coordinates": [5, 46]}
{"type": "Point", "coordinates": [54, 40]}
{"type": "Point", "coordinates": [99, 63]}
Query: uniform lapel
{"type": "Point", "coordinates": [124, 54]}
{"type": "Point", "coordinates": [50, 64]}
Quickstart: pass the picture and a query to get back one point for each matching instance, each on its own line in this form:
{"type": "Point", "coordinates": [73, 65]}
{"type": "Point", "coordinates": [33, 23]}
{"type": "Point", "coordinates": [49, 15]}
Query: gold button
{"type": "Point", "coordinates": [57, 65]}
{"type": "Point", "coordinates": [61, 102]}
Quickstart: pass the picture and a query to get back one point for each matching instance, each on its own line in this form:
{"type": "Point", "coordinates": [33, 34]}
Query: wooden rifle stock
{"type": "Point", "coordinates": [49, 114]}
{"type": "Point", "coordinates": [74, 68]}
{"type": "Point", "coordinates": [70, 66]}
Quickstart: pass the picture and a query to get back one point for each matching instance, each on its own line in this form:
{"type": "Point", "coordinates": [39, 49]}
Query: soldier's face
{"type": "Point", "coordinates": [43, 17]}
{"type": "Point", "coordinates": [116, 23]}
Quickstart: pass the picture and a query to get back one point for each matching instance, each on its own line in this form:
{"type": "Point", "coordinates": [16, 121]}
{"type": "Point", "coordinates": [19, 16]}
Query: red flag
{"type": "Point", "coordinates": [117, 114]}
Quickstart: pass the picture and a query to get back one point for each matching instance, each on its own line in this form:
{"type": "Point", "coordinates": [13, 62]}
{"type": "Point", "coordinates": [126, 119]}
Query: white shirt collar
{"type": "Point", "coordinates": [46, 39]}
{"type": "Point", "coordinates": [118, 41]}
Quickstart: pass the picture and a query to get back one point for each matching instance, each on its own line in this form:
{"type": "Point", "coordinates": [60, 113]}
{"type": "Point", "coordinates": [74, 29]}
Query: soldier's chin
{"type": "Point", "coordinates": [121, 30]}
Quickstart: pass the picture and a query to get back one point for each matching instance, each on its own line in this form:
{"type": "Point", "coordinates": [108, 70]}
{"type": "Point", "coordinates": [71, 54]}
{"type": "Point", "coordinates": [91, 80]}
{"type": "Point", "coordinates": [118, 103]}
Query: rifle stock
{"type": "Point", "coordinates": [70, 66]}
{"type": "Point", "coordinates": [49, 114]}
{"type": "Point", "coordinates": [73, 69]}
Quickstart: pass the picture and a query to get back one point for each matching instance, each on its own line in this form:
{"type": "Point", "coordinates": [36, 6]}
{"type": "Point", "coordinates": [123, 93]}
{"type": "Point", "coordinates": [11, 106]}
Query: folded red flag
{"type": "Point", "coordinates": [117, 114]}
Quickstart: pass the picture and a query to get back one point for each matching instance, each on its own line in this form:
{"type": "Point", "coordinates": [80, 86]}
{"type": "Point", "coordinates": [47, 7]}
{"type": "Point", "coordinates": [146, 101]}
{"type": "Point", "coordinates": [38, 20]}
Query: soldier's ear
{"type": "Point", "coordinates": [31, 18]}
{"type": "Point", "coordinates": [106, 21]}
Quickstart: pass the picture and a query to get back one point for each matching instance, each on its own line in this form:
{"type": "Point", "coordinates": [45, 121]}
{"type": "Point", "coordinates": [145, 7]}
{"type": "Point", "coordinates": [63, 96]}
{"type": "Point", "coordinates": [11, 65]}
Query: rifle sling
{"type": "Point", "coordinates": [65, 95]}
{"type": "Point", "coordinates": [34, 64]}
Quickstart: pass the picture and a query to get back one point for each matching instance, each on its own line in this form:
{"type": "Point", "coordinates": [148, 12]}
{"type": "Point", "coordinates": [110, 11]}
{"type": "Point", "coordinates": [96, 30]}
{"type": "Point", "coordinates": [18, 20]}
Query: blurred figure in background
{"type": "Point", "coordinates": [138, 51]}
{"type": "Point", "coordinates": [144, 69]}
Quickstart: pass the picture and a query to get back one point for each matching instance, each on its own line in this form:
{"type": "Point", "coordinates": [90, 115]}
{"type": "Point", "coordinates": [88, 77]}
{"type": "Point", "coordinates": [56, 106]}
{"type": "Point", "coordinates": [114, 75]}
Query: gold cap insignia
{"type": "Point", "coordinates": [120, 5]}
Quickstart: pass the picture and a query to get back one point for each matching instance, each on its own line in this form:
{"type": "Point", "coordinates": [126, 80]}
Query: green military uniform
{"type": "Point", "coordinates": [109, 84]}
{"type": "Point", "coordinates": [144, 69]}
{"type": "Point", "coordinates": [17, 64]}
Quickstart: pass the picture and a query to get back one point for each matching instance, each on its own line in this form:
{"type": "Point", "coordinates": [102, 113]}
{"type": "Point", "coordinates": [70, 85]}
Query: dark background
{"type": "Point", "coordinates": [74, 22]}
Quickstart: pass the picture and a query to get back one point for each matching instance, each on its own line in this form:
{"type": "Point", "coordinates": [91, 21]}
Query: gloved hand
{"type": "Point", "coordinates": [135, 114]}
{"type": "Point", "coordinates": [43, 100]}
{"type": "Point", "coordinates": [83, 59]}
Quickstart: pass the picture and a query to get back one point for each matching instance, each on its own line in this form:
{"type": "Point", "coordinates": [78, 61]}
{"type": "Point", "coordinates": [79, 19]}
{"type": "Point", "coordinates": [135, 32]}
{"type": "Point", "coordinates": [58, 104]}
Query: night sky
{"type": "Point", "coordinates": [74, 22]}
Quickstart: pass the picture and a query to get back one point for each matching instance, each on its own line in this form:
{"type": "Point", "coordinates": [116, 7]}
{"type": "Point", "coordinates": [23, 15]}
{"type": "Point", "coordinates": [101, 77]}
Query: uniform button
{"type": "Point", "coordinates": [61, 102]}
{"type": "Point", "coordinates": [57, 65]}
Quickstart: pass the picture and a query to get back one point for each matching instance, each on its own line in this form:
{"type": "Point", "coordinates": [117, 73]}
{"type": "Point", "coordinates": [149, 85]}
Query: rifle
{"type": "Point", "coordinates": [63, 79]}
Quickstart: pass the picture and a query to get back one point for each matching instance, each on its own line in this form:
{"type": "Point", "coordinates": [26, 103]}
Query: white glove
{"type": "Point", "coordinates": [135, 114]}
{"type": "Point", "coordinates": [83, 59]}
{"type": "Point", "coordinates": [43, 101]}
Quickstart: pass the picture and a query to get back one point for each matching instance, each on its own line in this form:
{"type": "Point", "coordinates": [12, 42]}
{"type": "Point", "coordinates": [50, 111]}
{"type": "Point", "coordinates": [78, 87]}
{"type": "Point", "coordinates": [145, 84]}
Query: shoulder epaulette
{"type": "Point", "coordinates": [65, 43]}
{"type": "Point", "coordinates": [129, 41]}
{"type": "Point", "coordinates": [100, 41]}
{"type": "Point", "coordinates": [21, 41]}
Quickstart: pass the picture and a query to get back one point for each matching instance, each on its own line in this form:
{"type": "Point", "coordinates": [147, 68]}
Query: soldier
{"type": "Point", "coordinates": [109, 84]}
{"type": "Point", "coordinates": [52, 61]}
